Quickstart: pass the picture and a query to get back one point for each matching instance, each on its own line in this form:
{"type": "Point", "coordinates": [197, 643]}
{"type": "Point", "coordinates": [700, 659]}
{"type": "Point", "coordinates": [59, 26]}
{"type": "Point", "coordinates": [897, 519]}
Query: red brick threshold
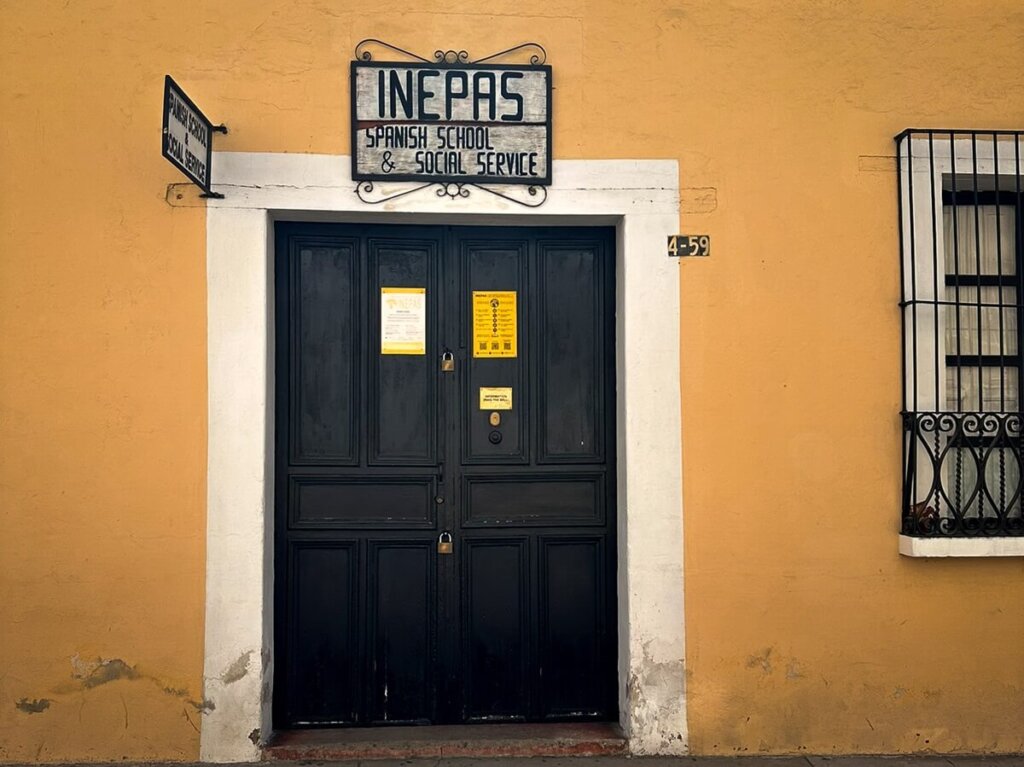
{"type": "Point", "coordinates": [475, 740]}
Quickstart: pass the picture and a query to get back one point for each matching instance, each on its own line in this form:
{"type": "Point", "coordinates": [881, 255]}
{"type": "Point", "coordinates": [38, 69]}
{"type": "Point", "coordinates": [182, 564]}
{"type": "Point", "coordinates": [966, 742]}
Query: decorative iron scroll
{"type": "Point", "coordinates": [364, 52]}
{"type": "Point", "coordinates": [535, 59]}
{"type": "Point", "coordinates": [452, 190]}
{"type": "Point", "coordinates": [963, 474]}
{"type": "Point", "coordinates": [367, 192]}
{"type": "Point", "coordinates": [451, 57]}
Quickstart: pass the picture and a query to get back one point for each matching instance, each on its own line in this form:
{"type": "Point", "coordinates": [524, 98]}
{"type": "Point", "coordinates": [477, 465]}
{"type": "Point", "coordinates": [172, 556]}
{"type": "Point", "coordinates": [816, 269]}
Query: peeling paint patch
{"type": "Point", "coordinates": [89, 674]}
{"type": "Point", "coordinates": [698, 199]}
{"type": "Point", "coordinates": [101, 671]}
{"type": "Point", "coordinates": [110, 671]}
{"type": "Point", "coordinates": [793, 670]}
{"type": "Point", "coordinates": [203, 706]}
{"type": "Point", "coordinates": [254, 736]}
{"type": "Point", "coordinates": [653, 701]}
{"type": "Point", "coordinates": [764, 662]}
{"type": "Point", "coordinates": [35, 706]}
{"type": "Point", "coordinates": [237, 670]}
{"type": "Point", "coordinates": [184, 713]}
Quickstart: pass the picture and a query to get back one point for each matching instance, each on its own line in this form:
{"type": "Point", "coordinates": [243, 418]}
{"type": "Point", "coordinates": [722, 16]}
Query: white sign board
{"type": "Point", "coordinates": [187, 135]}
{"type": "Point", "coordinates": [459, 123]}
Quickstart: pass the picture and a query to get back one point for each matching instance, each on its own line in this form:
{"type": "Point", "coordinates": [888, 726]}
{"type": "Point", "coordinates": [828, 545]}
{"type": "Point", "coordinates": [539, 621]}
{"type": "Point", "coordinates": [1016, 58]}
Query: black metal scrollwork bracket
{"type": "Point", "coordinates": [532, 196]}
{"type": "Point", "coordinates": [537, 54]}
{"type": "Point", "coordinates": [535, 196]}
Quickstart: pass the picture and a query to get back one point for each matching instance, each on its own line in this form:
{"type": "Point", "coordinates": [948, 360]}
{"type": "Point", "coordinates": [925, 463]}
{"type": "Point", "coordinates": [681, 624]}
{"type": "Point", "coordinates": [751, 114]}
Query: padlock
{"type": "Point", "coordinates": [447, 362]}
{"type": "Point", "coordinates": [444, 543]}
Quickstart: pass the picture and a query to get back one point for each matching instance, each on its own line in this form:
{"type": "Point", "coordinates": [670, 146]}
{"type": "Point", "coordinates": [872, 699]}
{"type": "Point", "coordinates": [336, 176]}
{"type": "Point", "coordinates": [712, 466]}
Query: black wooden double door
{"type": "Point", "coordinates": [382, 457]}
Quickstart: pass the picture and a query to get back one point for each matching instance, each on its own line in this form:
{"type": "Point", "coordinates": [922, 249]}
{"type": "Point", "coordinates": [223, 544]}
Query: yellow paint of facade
{"type": "Point", "coordinates": [806, 631]}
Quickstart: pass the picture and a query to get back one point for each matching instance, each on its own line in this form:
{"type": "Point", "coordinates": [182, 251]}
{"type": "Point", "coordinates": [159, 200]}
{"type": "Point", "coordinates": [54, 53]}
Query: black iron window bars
{"type": "Point", "coordinates": [962, 274]}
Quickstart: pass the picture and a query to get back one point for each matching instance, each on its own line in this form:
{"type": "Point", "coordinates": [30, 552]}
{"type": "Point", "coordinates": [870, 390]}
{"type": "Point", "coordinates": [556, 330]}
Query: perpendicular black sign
{"type": "Point", "coordinates": [461, 123]}
{"type": "Point", "coordinates": [188, 136]}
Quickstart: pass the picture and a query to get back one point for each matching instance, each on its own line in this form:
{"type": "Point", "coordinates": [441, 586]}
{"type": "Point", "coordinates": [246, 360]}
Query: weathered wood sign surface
{"type": "Point", "coordinates": [464, 123]}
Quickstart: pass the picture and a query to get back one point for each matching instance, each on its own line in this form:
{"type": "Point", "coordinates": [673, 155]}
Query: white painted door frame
{"type": "Point", "coordinates": [641, 199]}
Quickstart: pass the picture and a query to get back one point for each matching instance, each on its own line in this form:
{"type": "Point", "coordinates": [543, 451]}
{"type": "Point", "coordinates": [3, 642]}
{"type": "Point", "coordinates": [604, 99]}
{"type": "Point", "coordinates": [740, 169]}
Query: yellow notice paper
{"type": "Point", "coordinates": [403, 320]}
{"type": "Point", "coordinates": [494, 323]}
{"type": "Point", "coordinates": [495, 398]}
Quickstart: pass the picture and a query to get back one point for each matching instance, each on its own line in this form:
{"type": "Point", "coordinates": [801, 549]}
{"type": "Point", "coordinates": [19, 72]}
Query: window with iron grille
{"type": "Point", "coordinates": [960, 200]}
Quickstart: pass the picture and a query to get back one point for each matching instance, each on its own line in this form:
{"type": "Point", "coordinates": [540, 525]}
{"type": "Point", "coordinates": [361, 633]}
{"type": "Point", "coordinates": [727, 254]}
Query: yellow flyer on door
{"type": "Point", "coordinates": [494, 323]}
{"type": "Point", "coordinates": [403, 320]}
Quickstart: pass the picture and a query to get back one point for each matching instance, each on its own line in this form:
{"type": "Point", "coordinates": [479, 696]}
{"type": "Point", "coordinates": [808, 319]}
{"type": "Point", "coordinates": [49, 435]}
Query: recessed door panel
{"type": "Point", "coordinates": [533, 499]}
{"type": "Point", "coordinates": [571, 402]}
{"type": "Point", "coordinates": [325, 400]}
{"type": "Point", "coordinates": [494, 267]}
{"type": "Point", "coordinates": [402, 606]}
{"type": "Point", "coordinates": [572, 635]}
{"type": "Point", "coordinates": [496, 631]}
{"type": "Point", "coordinates": [323, 669]}
{"type": "Point", "coordinates": [402, 386]}
{"type": "Point", "coordinates": [321, 501]}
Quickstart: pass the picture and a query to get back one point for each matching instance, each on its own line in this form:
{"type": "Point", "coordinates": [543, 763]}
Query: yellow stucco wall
{"type": "Point", "coordinates": [805, 629]}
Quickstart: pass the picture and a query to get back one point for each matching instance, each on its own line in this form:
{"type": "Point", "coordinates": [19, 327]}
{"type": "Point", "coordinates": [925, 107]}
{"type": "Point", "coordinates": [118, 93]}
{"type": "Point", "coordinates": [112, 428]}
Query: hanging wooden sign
{"type": "Point", "coordinates": [451, 123]}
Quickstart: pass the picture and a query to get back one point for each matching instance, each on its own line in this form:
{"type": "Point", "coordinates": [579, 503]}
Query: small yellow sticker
{"type": "Point", "coordinates": [495, 398]}
{"type": "Point", "coordinates": [494, 323]}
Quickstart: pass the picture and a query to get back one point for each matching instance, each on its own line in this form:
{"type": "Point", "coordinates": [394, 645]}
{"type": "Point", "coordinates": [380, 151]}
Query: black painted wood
{"type": "Point", "coordinates": [376, 455]}
{"type": "Point", "coordinates": [323, 330]}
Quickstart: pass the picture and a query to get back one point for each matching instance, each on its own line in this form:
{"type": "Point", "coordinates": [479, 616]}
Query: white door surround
{"type": "Point", "coordinates": [641, 199]}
